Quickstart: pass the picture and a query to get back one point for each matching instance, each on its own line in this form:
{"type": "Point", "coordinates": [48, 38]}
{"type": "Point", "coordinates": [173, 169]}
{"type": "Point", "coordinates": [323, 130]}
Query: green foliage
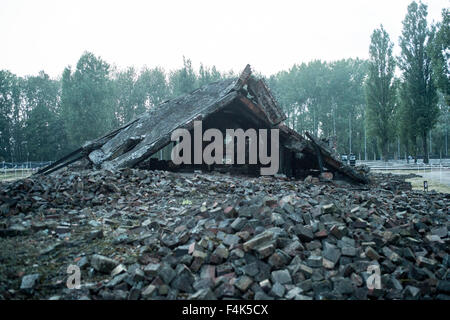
{"type": "Point", "coordinates": [151, 89]}
{"type": "Point", "coordinates": [326, 99]}
{"type": "Point", "coordinates": [44, 119]}
{"type": "Point", "coordinates": [440, 132]}
{"type": "Point", "coordinates": [30, 122]}
{"type": "Point", "coordinates": [380, 90]}
{"type": "Point", "coordinates": [124, 94]}
{"type": "Point", "coordinates": [404, 120]}
{"type": "Point", "coordinates": [440, 53]}
{"type": "Point", "coordinates": [9, 104]}
{"type": "Point", "coordinates": [207, 75]}
{"type": "Point", "coordinates": [45, 137]}
{"type": "Point", "coordinates": [86, 100]}
{"type": "Point", "coordinates": [418, 90]}
{"type": "Point", "coordinates": [134, 94]}
{"type": "Point", "coordinates": [183, 80]}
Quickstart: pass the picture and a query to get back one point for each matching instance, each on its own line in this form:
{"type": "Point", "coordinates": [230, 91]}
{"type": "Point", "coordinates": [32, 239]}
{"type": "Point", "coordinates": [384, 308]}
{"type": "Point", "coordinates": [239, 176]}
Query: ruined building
{"type": "Point", "coordinates": [244, 102]}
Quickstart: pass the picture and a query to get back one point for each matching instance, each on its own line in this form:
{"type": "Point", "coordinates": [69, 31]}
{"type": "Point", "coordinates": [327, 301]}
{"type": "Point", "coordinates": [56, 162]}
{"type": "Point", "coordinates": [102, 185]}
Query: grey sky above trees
{"type": "Point", "coordinates": [370, 111]}
{"type": "Point", "coordinates": [49, 35]}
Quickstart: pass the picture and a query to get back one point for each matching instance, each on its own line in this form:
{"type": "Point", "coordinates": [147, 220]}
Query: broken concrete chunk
{"type": "Point", "coordinates": [425, 262]}
{"type": "Point", "coordinates": [348, 251]}
{"type": "Point", "coordinates": [152, 269]}
{"type": "Point", "coordinates": [343, 286]}
{"type": "Point", "coordinates": [303, 233]}
{"type": "Point", "coordinates": [238, 224]}
{"type": "Point", "coordinates": [231, 240]}
{"type": "Point", "coordinates": [281, 276]}
{"type": "Point", "coordinates": [203, 294]}
{"type": "Point", "coordinates": [118, 270]}
{"type": "Point", "coordinates": [103, 264]}
{"type": "Point", "coordinates": [314, 261]}
{"type": "Point", "coordinates": [265, 250]}
{"type": "Point", "coordinates": [243, 283]}
{"type": "Point", "coordinates": [278, 290]}
{"type": "Point", "coordinates": [331, 253]}
{"type": "Point", "coordinates": [372, 254]}
{"type": "Point", "coordinates": [222, 252]}
{"type": "Point", "coordinates": [329, 208]}
{"type": "Point", "coordinates": [166, 273]}
{"type": "Point", "coordinates": [261, 238]}
{"type": "Point", "coordinates": [29, 281]}
{"type": "Point", "coordinates": [149, 291]}
{"type": "Point", "coordinates": [441, 232]}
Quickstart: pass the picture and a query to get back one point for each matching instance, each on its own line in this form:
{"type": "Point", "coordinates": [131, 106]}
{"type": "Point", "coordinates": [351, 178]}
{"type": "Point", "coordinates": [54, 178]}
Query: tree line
{"type": "Point", "coordinates": [384, 107]}
{"type": "Point", "coordinates": [44, 119]}
{"type": "Point", "coordinates": [407, 107]}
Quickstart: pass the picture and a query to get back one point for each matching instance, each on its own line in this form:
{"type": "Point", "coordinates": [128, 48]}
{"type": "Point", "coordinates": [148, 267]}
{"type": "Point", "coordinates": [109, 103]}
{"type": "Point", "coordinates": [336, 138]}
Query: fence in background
{"type": "Point", "coordinates": [17, 170]}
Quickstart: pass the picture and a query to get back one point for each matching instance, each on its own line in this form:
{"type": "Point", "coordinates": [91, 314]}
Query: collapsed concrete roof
{"type": "Point", "coordinates": [243, 102]}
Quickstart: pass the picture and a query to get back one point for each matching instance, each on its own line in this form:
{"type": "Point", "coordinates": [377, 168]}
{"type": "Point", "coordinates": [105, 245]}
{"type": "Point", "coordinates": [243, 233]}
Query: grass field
{"type": "Point", "coordinates": [11, 175]}
{"type": "Point", "coordinates": [436, 180]}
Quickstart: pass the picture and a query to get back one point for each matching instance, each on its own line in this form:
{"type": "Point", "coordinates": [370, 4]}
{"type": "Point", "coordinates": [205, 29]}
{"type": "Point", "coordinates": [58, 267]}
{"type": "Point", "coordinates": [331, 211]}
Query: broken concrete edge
{"type": "Point", "coordinates": [82, 151]}
{"type": "Point", "coordinates": [155, 146]}
{"type": "Point", "coordinates": [335, 163]}
{"type": "Point", "coordinates": [300, 145]}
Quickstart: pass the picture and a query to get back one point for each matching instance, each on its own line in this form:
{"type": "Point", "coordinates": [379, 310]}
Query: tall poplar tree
{"type": "Point", "coordinates": [419, 95]}
{"type": "Point", "coordinates": [87, 100]}
{"type": "Point", "coordinates": [380, 89]}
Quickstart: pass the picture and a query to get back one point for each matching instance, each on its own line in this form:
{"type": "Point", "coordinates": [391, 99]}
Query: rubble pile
{"type": "Point", "coordinates": [137, 234]}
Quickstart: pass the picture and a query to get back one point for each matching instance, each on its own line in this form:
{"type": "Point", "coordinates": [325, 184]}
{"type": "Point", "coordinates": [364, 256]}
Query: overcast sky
{"type": "Point", "coordinates": [270, 35]}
